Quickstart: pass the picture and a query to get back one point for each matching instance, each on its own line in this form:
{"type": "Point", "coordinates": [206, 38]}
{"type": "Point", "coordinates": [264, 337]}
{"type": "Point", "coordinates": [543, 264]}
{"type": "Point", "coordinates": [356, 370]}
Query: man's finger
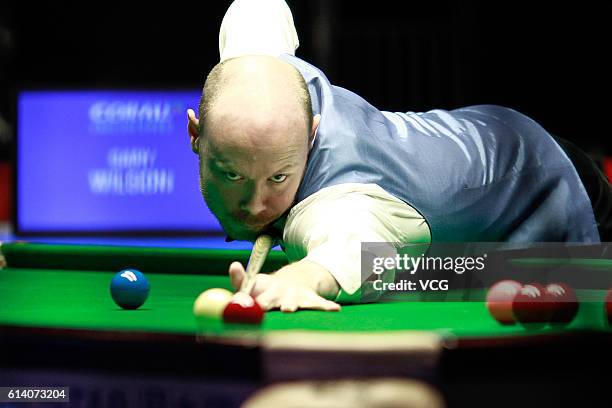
{"type": "Point", "coordinates": [268, 299]}
{"type": "Point", "coordinates": [289, 306]}
{"type": "Point", "coordinates": [316, 302]}
{"type": "Point", "coordinates": [289, 302]}
{"type": "Point", "coordinates": [237, 274]}
{"type": "Point", "coordinates": [330, 306]}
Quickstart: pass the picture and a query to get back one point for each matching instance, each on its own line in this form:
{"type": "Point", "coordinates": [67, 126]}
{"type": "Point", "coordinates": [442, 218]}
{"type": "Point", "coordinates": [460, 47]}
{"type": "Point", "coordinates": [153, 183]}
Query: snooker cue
{"type": "Point", "coordinates": [262, 246]}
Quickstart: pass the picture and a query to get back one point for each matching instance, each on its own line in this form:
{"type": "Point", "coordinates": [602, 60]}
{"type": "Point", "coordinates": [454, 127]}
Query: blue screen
{"type": "Point", "coordinates": [108, 161]}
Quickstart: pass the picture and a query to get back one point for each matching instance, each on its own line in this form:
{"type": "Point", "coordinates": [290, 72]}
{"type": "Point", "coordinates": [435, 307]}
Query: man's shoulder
{"type": "Point", "coordinates": [307, 69]}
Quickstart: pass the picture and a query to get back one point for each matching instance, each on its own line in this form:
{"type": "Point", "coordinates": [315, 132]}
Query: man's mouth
{"type": "Point", "coordinates": [246, 226]}
{"type": "Point", "coordinates": [249, 223]}
{"type": "Point", "coordinates": [256, 227]}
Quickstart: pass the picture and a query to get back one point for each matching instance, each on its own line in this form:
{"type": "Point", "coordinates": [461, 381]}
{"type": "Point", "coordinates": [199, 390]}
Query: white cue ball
{"type": "Point", "coordinates": [212, 302]}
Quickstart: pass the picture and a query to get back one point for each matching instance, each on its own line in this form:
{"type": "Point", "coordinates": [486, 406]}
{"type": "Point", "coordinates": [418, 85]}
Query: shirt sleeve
{"type": "Point", "coordinates": [329, 227]}
{"type": "Point", "coordinates": [257, 27]}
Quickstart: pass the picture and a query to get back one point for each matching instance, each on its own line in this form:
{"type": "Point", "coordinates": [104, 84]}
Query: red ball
{"type": "Point", "coordinates": [529, 305]}
{"type": "Point", "coordinates": [499, 300]}
{"type": "Point", "coordinates": [562, 301]}
{"type": "Point", "coordinates": [243, 309]}
{"type": "Point", "coordinates": [608, 305]}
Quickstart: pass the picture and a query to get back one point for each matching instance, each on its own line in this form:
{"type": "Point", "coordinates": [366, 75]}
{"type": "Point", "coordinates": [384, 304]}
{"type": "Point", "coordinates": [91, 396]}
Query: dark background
{"type": "Point", "coordinates": [546, 60]}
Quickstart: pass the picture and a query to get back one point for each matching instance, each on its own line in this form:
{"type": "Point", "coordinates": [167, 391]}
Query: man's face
{"type": "Point", "coordinates": [249, 177]}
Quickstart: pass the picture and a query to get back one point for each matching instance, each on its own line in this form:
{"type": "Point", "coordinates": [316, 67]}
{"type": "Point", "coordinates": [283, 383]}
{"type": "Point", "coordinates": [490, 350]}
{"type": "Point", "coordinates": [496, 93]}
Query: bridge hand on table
{"type": "Point", "coordinates": [291, 288]}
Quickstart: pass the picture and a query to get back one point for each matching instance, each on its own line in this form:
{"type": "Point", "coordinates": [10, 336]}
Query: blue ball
{"type": "Point", "coordinates": [129, 288]}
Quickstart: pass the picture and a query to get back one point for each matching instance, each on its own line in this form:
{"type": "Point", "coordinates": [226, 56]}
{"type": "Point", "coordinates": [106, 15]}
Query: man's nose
{"type": "Point", "coordinates": [254, 203]}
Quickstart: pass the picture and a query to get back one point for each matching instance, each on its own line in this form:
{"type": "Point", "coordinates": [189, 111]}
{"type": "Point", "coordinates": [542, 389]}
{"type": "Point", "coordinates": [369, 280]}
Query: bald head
{"type": "Point", "coordinates": [255, 127]}
{"type": "Point", "coordinates": [256, 100]}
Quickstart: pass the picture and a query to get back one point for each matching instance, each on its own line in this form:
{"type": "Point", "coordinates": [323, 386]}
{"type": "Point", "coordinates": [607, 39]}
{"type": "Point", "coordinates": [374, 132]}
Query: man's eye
{"type": "Point", "coordinates": [279, 178]}
{"type": "Point", "coordinates": [232, 176]}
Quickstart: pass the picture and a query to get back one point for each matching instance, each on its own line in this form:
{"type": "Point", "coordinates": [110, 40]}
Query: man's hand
{"type": "Point", "coordinates": [300, 285]}
{"type": "Point", "coordinates": [193, 128]}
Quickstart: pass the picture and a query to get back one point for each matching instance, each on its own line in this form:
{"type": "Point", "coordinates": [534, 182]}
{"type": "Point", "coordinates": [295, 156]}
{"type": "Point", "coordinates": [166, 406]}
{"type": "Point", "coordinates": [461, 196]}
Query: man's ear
{"type": "Point", "coordinates": [313, 132]}
{"type": "Point", "coordinates": [193, 128]}
{"type": "Point", "coordinates": [195, 143]}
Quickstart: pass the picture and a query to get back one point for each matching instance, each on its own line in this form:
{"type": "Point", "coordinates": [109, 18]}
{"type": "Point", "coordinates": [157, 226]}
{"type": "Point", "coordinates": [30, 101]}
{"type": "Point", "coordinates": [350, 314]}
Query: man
{"type": "Point", "coordinates": [281, 149]}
